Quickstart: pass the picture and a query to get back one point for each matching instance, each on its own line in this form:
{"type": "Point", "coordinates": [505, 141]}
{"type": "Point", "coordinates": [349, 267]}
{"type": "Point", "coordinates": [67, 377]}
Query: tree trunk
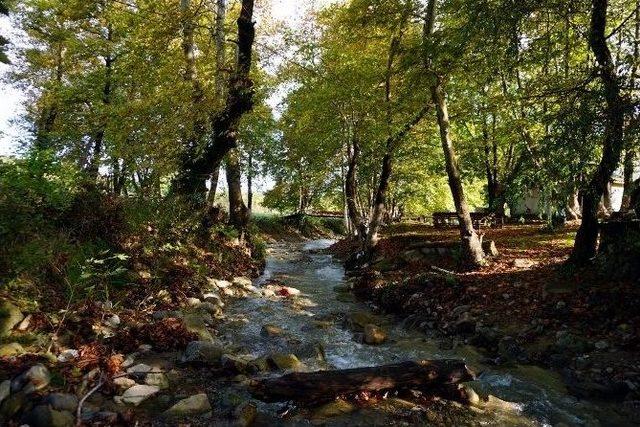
{"type": "Point", "coordinates": [586, 243]}
{"type": "Point", "coordinates": [250, 183]}
{"type": "Point", "coordinates": [351, 187]}
{"type": "Point", "coordinates": [629, 169]}
{"type": "Point", "coordinates": [471, 245]}
{"type": "Point", "coordinates": [219, 36]}
{"type": "Point", "coordinates": [196, 169]}
{"type": "Point", "coordinates": [573, 205]}
{"type": "Point", "coordinates": [213, 185]}
{"type": "Point", "coordinates": [238, 213]}
{"type": "Point", "coordinates": [190, 182]}
{"type": "Point", "coordinates": [98, 146]}
{"type": "Point", "coordinates": [323, 386]}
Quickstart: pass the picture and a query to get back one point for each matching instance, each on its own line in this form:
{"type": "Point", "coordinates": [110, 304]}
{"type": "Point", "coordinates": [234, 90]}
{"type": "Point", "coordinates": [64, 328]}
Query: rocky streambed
{"type": "Point", "coordinates": [298, 316]}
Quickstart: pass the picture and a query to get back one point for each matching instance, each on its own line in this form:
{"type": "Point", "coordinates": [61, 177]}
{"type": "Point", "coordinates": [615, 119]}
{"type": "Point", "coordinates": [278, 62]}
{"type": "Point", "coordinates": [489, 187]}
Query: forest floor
{"type": "Point", "coordinates": [525, 306]}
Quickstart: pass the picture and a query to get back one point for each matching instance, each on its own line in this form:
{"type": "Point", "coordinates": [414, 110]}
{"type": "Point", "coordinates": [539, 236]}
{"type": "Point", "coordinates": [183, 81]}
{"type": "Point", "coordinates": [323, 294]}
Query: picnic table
{"type": "Point", "coordinates": [480, 219]}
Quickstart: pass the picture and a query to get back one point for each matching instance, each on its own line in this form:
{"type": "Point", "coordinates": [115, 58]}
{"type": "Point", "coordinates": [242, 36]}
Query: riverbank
{"type": "Point", "coordinates": [522, 308]}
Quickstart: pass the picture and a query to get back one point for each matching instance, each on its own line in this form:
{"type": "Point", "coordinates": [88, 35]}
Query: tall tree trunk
{"type": "Point", "coordinates": [190, 183]}
{"type": "Point", "coordinates": [219, 36]}
{"type": "Point", "coordinates": [629, 169]}
{"type": "Point", "coordinates": [470, 242]}
{"type": "Point", "coordinates": [250, 182]}
{"type": "Point", "coordinates": [471, 245]}
{"type": "Point", "coordinates": [195, 170]}
{"type": "Point", "coordinates": [213, 185]}
{"type": "Point", "coordinates": [573, 205]}
{"type": "Point", "coordinates": [238, 213]}
{"type": "Point", "coordinates": [630, 156]}
{"type": "Point", "coordinates": [586, 243]}
{"type": "Point", "coordinates": [351, 186]}
{"type": "Point", "coordinates": [98, 144]}
{"type": "Point", "coordinates": [378, 204]}
{"type": "Point", "coordinates": [50, 113]}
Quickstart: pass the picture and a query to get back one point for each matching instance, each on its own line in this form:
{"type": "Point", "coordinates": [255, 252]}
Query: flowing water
{"type": "Point", "coordinates": [316, 316]}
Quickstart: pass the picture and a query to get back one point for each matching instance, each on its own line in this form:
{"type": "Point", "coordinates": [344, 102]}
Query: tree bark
{"type": "Point", "coordinates": [188, 183]}
{"type": "Point", "coordinates": [238, 213]}
{"type": "Point", "coordinates": [322, 386]}
{"type": "Point", "coordinates": [471, 245]}
{"type": "Point", "coordinates": [629, 169]}
{"type": "Point", "coordinates": [98, 144]}
{"type": "Point", "coordinates": [351, 186]}
{"type": "Point", "coordinates": [250, 182]}
{"type": "Point", "coordinates": [586, 242]}
{"type": "Point", "coordinates": [196, 169]}
{"type": "Point", "coordinates": [472, 255]}
{"type": "Point", "coordinates": [213, 185]}
{"type": "Point", "coordinates": [219, 36]}
{"type": "Point", "coordinates": [380, 196]}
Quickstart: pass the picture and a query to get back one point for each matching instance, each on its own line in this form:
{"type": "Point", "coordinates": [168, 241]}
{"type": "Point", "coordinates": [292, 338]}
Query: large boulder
{"type": "Point", "coordinates": [137, 394]}
{"type": "Point", "coordinates": [11, 349]}
{"type": "Point", "coordinates": [374, 335]}
{"type": "Point", "coordinates": [205, 352]}
{"type": "Point", "coordinates": [34, 379]}
{"type": "Point", "coordinates": [194, 405]}
{"type": "Point", "coordinates": [46, 416]}
{"type": "Point", "coordinates": [286, 362]}
{"type": "Point", "coordinates": [62, 401]}
{"type": "Point", "coordinates": [10, 316]}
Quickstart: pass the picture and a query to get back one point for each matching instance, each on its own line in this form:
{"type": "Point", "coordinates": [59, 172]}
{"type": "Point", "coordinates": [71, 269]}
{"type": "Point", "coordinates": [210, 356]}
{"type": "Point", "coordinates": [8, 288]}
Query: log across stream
{"type": "Point", "coordinates": [321, 386]}
{"type": "Point", "coordinates": [320, 316]}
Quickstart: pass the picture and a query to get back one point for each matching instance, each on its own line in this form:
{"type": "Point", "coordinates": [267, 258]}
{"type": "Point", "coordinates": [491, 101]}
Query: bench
{"type": "Point", "coordinates": [480, 219]}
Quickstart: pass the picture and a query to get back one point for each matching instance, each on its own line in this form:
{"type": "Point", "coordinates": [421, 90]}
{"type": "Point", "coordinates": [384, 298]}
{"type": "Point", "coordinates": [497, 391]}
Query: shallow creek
{"type": "Point", "coordinates": [538, 396]}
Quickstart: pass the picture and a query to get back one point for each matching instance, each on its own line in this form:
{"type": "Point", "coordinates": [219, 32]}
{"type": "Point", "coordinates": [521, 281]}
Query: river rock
{"type": "Point", "coordinates": [35, 378]}
{"type": "Point", "coordinates": [157, 379]}
{"type": "Point", "coordinates": [215, 284]}
{"type": "Point", "coordinates": [137, 394]}
{"type": "Point", "coordinates": [569, 343]}
{"type": "Point", "coordinates": [245, 414]}
{"type": "Point", "coordinates": [210, 308]}
{"type": "Point", "coordinates": [113, 321]}
{"type": "Point", "coordinates": [196, 404]}
{"type": "Point", "coordinates": [242, 364]}
{"type": "Point", "coordinates": [5, 390]}
{"type": "Point", "coordinates": [62, 401]}
{"type": "Point", "coordinates": [333, 409]}
{"type": "Point", "coordinates": [11, 349]}
{"type": "Point", "coordinates": [374, 335]}
{"type": "Point", "coordinates": [10, 315]}
{"type": "Point", "coordinates": [123, 383]}
{"type": "Point", "coordinates": [68, 355]}
{"type": "Point", "coordinates": [140, 368]}
{"type": "Point", "coordinates": [358, 320]}
{"type": "Point", "coordinates": [213, 298]}
{"type": "Point", "coordinates": [286, 362]}
{"type": "Point", "coordinates": [46, 416]}
{"type": "Point", "coordinates": [271, 331]}
{"type": "Point", "coordinates": [203, 352]}
{"type": "Point", "coordinates": [465, 324]}
{"type": "Point", "coordinates": [459, 310]}
{"type": "Point", "coordinates": [196, 322]}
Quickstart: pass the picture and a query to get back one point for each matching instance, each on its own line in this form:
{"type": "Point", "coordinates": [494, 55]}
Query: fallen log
{"type": "Point", "coordinates": [320, 386]}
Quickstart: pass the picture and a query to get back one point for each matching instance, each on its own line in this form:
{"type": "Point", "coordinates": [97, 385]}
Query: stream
{"type": "Point", "coordinates": [537, 396]}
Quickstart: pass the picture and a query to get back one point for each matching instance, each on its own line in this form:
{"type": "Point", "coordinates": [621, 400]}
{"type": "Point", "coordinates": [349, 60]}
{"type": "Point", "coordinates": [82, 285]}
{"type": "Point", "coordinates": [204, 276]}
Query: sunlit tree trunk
{"type": "Point", "coordinates": [195, 170]}
{"type": "Point", "coordinates": [586, 242]}
{"type": "Point", "coordinates": [471, 245]}
{"type": "Point", "coordinates": [219, 35]}
{"type": "Point", "coordinates": [351, 185]}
